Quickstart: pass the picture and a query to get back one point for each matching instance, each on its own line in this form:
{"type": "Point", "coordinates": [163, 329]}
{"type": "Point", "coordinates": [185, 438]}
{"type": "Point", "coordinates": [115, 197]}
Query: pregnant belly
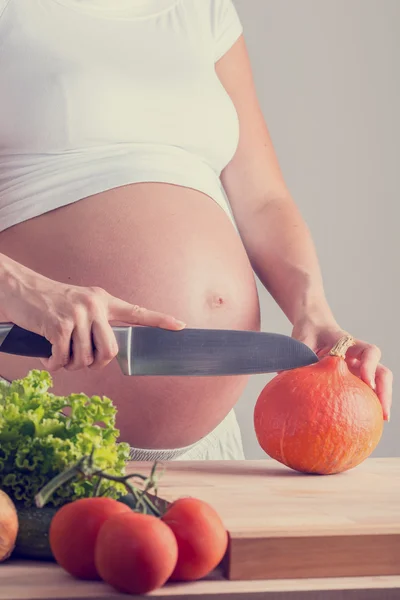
{"type": "Point", "coordinates": [163, 247]}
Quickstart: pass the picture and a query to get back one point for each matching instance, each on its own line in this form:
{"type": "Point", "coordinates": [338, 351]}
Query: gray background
{"type": "Point", "coordinates": [328, 79]}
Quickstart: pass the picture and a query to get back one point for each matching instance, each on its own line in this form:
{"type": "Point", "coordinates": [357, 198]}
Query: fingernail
{"type": "Point", "coordinates": [388, 418]}
{"type": "Point", "coordinates": [180, 323]}
{"type": "Point", "coordinates": [372, 384]}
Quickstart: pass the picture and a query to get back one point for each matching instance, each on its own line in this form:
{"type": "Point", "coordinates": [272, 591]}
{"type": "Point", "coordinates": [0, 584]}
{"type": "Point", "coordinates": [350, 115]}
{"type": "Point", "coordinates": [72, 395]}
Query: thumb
{"type": "Point", "coordinates": [311, 340]}
{"type": "Point", "coordinates": [306, 337]}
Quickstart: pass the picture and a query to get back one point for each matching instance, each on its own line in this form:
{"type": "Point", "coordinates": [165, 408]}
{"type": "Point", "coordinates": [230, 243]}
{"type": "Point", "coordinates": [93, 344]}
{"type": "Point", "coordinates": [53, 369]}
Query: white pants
{"type": "Point", "coordinates": [223, 443]}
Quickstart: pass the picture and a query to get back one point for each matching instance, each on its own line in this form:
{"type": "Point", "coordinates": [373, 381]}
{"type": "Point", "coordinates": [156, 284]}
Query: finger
{"type": "Point", "coordinates": [368, 365]}
{"type": "Point", "coordinates": [106, 347]}
{"type": "Point", "coordinates": [369, 357]}
{"type": "Point", "coordinates": [61, 348]}
{"type": "Point", "coordinates": [384, 385]}
{"type": "Point", "coordinates": [137, 315]}
{"type": "Point", "coordinates": [354, 366]}
{"type": "Point", "coordinates": [82, 348]}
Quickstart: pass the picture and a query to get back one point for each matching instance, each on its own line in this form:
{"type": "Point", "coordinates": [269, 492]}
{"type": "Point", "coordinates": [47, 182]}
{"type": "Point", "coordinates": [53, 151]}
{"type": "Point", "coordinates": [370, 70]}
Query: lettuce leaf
{"type": "Point", "coordinates": [42, 434]}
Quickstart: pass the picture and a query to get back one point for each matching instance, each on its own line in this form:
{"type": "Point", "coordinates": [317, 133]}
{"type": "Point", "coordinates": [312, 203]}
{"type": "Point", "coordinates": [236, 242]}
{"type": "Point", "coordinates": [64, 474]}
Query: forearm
{"type": "Point", "coordinates": [282, 253]}
{"type": "Point", "coordinates": [16, 281]}
{"type": "Point", "coordinates": [9, 270]}
{"type": "Point", "coordinates": [11, 273]}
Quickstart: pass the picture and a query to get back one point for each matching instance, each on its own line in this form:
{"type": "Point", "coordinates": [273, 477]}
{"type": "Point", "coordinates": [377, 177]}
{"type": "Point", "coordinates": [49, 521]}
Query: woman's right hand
{"type": "Point", "coordinates": [70, 316]}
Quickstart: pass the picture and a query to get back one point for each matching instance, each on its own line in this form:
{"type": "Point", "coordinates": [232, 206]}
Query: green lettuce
{"type": "Point", "coordinates": [42, 434]}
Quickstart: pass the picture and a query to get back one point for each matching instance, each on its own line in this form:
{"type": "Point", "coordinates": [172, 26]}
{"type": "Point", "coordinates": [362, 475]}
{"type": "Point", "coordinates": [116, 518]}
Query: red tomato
{"type": "Point", "coordinates": [135, 553]}
{"type": "Point", "coordinates": [74, 530]}
{"type": "Point", "coordinates": [201, 536]}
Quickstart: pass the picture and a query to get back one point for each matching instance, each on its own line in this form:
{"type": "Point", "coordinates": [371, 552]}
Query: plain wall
{"type": "Point", "coordinates": [328, 79]}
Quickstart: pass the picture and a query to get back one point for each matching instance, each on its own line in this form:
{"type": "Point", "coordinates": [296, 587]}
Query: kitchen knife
{"type": "Point", "coordinates": [189, 352]}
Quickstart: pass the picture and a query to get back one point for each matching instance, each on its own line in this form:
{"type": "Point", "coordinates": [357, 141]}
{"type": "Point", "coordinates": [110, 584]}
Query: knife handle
{"type": "Point", "coordinates": [21, 342]}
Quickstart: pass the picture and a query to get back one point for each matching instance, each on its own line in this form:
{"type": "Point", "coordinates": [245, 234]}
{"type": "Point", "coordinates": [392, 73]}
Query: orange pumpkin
{"type": "Point", "coordinates": [320, 418]}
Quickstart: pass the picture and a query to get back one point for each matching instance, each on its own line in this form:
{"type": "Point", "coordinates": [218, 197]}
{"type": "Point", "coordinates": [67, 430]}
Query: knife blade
{"type": "Point", "coordinates": [190, 352]}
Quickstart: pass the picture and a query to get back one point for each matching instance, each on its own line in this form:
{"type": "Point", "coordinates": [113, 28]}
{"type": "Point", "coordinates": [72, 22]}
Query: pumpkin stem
{"type": "Point", "coordinates": [341, 347]}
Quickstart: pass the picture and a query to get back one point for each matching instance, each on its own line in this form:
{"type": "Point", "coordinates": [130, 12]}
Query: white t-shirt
{"type": "Point", "coordinates": [97, 94]}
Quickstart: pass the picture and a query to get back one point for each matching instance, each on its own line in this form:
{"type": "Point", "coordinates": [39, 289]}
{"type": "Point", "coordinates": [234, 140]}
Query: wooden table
{"type": "Point", "coordinates": [284, 521]}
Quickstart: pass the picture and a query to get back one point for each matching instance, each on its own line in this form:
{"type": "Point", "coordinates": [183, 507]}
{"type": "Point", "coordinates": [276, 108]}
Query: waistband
{"type": "Point", "coordinates": [207, 443]}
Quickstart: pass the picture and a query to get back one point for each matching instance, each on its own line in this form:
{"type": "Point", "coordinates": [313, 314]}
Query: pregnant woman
{"type": "Point", "coordinates": [139, 185]}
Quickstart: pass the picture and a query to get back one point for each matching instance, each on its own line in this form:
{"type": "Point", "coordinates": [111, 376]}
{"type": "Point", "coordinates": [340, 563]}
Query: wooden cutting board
{"type": "Point", "coordinates": [285, 525]}
{"type": "Point", "coordinates": [291, 536]}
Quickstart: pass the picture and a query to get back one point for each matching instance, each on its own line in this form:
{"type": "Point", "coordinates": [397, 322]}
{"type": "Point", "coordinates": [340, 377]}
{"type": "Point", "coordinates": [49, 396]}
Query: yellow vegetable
{"type": "Point", "coordinates": [8, 526]}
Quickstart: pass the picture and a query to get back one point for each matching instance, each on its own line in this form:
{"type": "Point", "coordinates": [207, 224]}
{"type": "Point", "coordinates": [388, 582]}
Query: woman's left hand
{"type": "Point", "coordinates": [363, 359]}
